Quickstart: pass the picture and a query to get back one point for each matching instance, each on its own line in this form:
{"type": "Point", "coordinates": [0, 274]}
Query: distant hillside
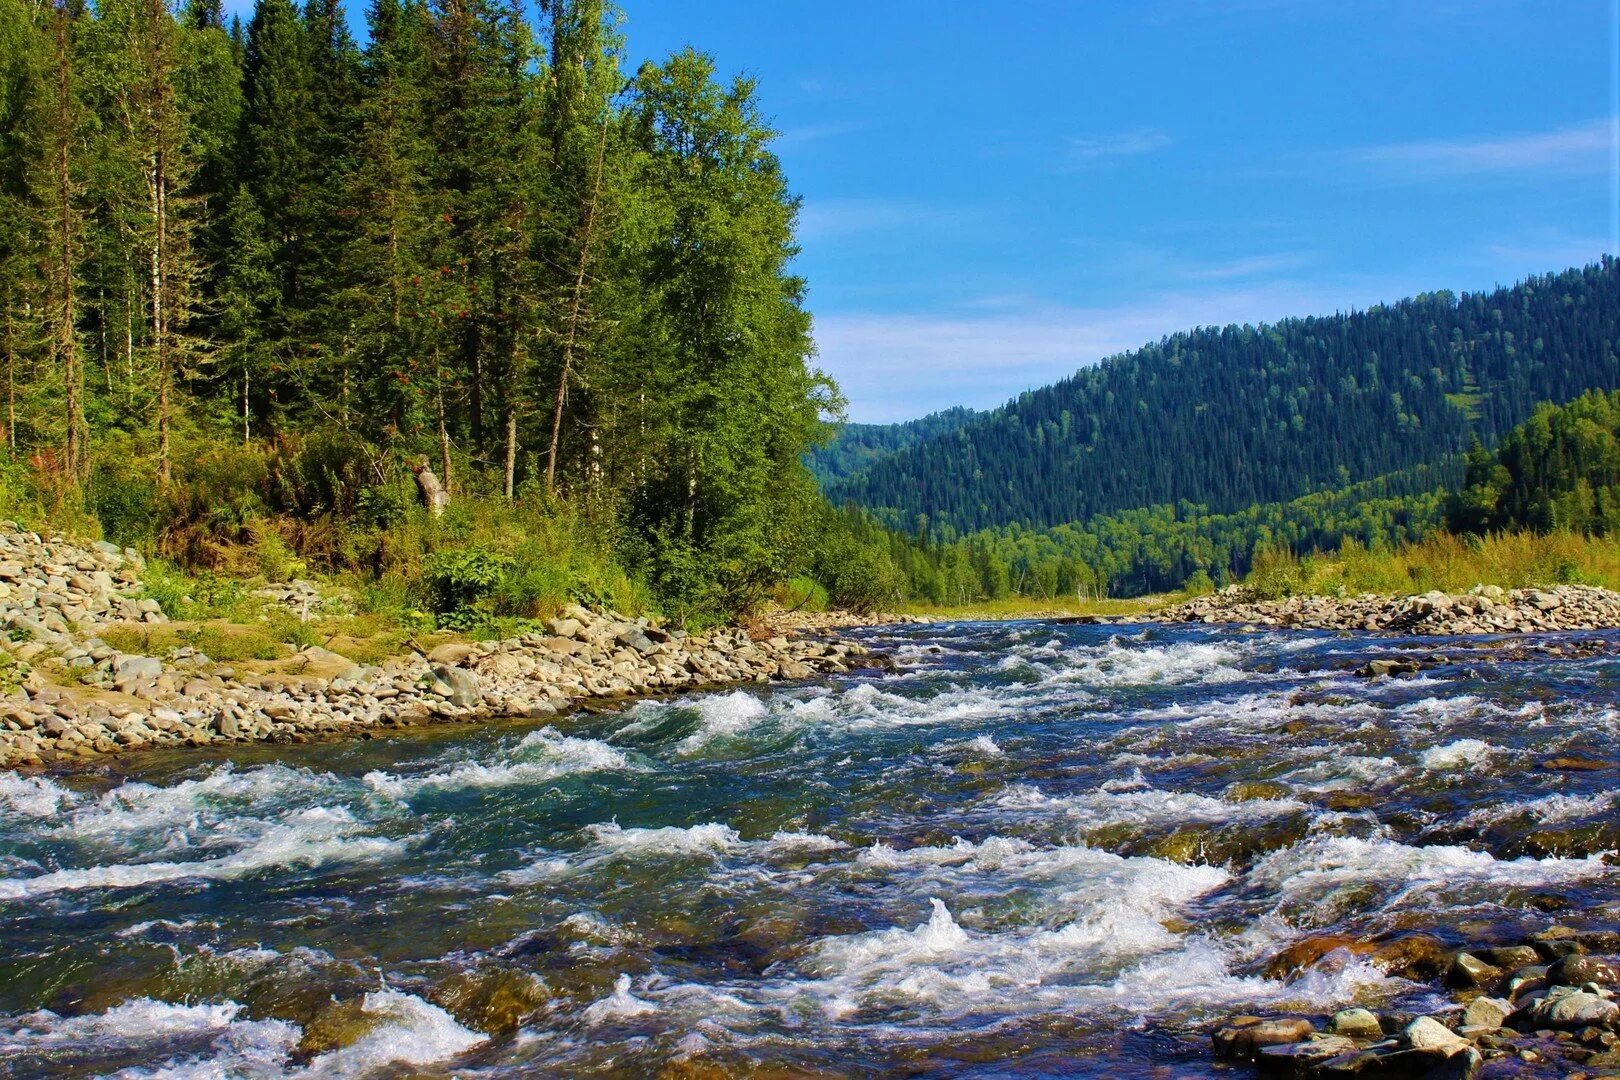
{"type": "Point", "coordinates": [1231, 417]}
{"type": "Point", "coordinates": [857, 446]}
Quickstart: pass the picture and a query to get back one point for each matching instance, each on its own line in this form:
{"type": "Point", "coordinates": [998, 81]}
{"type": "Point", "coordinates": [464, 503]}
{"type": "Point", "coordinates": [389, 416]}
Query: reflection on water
{"type": "Point", "coordinates": [1060, 849]}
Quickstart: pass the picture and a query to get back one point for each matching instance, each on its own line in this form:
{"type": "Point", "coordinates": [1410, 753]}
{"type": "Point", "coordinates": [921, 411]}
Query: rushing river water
{"type": "Point", "coordinates": [1036, 850]}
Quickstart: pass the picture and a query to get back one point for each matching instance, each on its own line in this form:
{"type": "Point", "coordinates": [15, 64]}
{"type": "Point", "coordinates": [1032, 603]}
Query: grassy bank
{"type": "Point", "coordinates": [1443, 561]}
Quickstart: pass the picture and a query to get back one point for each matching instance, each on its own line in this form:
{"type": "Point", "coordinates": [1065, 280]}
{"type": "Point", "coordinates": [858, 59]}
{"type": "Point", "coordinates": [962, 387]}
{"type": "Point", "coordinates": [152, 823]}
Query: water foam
{"type": "Point", "coordinates": [542, 756]}
{"type": "Point", "coordinates": [408, 1031]}
{"type": "Point", "coordinates": [1462, 754]}
{"type": "Point", "coordinates": [1317, 869]}
{"type": "Point", "coordinates": [619, 1005]}
{"type": "Point", "coordinates": [698, 841]}
{"type": "Point", "coordinates": [723, 716]}
{"type": "Point", "coordinates": [307, 838]}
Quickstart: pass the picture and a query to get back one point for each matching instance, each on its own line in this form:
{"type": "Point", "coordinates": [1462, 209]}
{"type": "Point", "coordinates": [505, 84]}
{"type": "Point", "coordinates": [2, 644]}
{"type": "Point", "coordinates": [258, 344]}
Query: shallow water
{"type": "Point", "coordinates": [1038, 850]}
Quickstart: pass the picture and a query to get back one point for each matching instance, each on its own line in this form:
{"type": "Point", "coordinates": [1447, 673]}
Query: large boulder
{"type": "Point", "coordinates": [457, 685]}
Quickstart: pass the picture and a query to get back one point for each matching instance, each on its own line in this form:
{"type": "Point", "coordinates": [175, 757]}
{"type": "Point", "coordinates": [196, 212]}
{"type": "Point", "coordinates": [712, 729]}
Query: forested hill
{"type": "Point", "coordinates": [857, 446]}
{"type": "Point", "coordinates": [1233, 416]}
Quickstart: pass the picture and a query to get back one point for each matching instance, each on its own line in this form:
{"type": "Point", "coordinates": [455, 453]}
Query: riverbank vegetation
{"type": "Point", "coordinates": [1540, 510]}
{"type": "Point", "coordinates": [263, 287]}
{"type": "Point", "coordinates": [256, 280]}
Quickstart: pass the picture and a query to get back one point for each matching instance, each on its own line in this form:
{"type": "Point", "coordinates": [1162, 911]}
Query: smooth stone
{"type": "Point", "coordinates": [1430, 1035]}
{"type": "Point", "coordinates": [1486, 1012]}
{"type": "Point", "coordinates": [1356, 1024]}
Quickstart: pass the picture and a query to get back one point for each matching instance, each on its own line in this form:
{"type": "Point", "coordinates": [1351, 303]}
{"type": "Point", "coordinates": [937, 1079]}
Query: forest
{"type": "Point", "coordinates": [1557, 473]}
{"type": "Point", "coordinates": [254, 279]}
{"type": "Point", "coordinates": [1559, 470]}
{"type": "Point", "coordinates": [1239, 416]}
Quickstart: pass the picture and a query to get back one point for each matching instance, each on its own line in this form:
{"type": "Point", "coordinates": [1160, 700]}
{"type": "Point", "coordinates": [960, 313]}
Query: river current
{"type": "Point", "coordinates": [1036, 849]}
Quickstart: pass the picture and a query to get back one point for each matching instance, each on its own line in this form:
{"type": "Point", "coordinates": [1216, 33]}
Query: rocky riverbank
{"type": "Point", "coordinates": [778, 621]}
{"type": "Point", "coordinates": [1548, 1002]}
{"type": "Point", "coordinates": [1484, 610]}
{"type": "Point", "coordinates": [57, 598]}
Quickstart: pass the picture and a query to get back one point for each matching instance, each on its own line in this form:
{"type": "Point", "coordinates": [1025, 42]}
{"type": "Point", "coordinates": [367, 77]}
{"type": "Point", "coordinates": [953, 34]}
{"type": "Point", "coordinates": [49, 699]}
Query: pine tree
{"type": "Point", "coordinates": [484, 150]}
{"type": "Point", "coordinates": [65, 227]}
{"type": "Point", "coordinates": [577, 195]}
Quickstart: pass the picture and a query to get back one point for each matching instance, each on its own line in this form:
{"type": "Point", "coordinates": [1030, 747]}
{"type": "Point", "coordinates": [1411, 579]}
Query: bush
{"type": "Point", "coordinates": [464, 585]}
{"type": "Point", "coordinates": [126, 506]}
{"type": "Point", "coordinates": [801, 594]}
{"type": "Point", "coordinates": [859, 576]}
{"type": "Point", "coordinates": [204, 595]}
{"type": "Point", "coordinates": [1276, 573]}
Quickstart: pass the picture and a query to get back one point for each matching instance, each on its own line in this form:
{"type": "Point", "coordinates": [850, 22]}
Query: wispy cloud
{"type": "Point", "coordinates": [1087, 150]}
{"type": "Point", "coordinates": [1578, 148]}
{"type": "Point", "coordinates": [1253, 266]}
{"type": "Point", "coordinates": [808, 133]}
{"type": "Point", "coordinates": [828, 219]}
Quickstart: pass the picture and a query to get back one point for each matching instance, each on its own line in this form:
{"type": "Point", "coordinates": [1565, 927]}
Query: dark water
{"type": "Point", "coordinates": [1042, 850]}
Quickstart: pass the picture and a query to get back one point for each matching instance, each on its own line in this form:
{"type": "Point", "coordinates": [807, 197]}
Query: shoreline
{"type": "Point", "coordinates": [57, 598]}
{"type": "Point", "coordinates": [598, 661]}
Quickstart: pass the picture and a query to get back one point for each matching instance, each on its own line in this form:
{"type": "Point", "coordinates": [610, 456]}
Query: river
{"type": "Point", "coordinates": [1037, 849]}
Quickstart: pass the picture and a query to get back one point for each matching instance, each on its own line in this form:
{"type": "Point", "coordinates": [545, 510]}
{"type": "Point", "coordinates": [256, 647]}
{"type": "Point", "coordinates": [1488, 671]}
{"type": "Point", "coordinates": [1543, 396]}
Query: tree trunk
{"type": "Point", "coordinates": [434, 497]}
{"type": "Point", "coordinates": [65, 337]}
{"type": "Point", "coordinates": [576, 309]}
{"type": "Point", "coordinates": [444, 431]}
{"type": "Point", "coordinates": [160, 329]}
{"type": "Point", "coordinates": [11, 382]}
{"type": "Point", "coordinates": [511, 450]}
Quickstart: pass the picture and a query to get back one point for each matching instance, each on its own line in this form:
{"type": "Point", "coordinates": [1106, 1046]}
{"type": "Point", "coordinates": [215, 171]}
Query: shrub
{"type": "Point", "coordinates": [1276, 572]}
{"type": "Point", "coordinates": [801, 594]}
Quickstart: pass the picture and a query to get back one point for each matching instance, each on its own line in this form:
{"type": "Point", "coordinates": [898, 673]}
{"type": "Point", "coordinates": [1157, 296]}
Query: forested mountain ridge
{"type": "Point", "coordinates": [857, 446]}
{"type": "Point", "coordinates": [1241, 415]}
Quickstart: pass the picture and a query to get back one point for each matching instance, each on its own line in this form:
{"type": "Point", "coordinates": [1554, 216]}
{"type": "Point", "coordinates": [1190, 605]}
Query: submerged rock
{"type": "Point", "coordinates": [1247, 1035]}
{"type": "Point", "coordinates": [495, 1002]}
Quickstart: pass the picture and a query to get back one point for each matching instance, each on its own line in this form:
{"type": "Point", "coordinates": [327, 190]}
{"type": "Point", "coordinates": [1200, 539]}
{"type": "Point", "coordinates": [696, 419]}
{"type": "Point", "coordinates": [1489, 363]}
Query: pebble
{"type": "Point", "coordinates": [1485, 610]}
{"type": "Point", "coordinates": [192, 702]}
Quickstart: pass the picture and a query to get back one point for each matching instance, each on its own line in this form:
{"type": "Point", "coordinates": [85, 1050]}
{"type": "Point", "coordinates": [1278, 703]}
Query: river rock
{"type": "Point", "coordinates": [495, 1002]}
{"type": "Point", "coordinates": [139, 667]}
{"type": "Point", "coordinates": [1578, 969]}
{"type": "Point", "coordinates": [1486, 1013]}
{"type": "Point", "coordinates": [1564, 1008]}
{"type": "Point", "coordinates": [1469, 971]}
{"type": "Point", "coordinates": [1431, 1036]}
{"type": "Point", "coordinates": [452, 653]}
{"type": "Point", "coordinates": [1246, 1036]}
{"type": "Point", "coordinates": [1356, 1024]}
{"type": "Point", "coordinates": [457, 685]}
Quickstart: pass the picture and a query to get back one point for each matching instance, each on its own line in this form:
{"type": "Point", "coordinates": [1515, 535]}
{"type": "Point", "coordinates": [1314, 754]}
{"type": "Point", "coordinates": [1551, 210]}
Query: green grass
{"type": "Point", "coordinates": [1445, 562]}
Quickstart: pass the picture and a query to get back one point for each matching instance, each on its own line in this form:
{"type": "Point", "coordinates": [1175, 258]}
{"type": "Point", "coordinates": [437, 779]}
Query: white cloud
{"type": "Point", "coordinates": [1087, 150]}
{"type": "Point", "coordinates": [1247, 267]}
{"type": "Point", "coordinates": [1578, 148]}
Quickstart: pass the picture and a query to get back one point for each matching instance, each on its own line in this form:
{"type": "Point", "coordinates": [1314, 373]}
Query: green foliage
{"type": "Point", "coordinates": [203, 595]}
{"type": "Point", "coordinates": [231, 647]}
{"type": "Point", "coordinates": [801, 594]}
{"type": "Point", "coordinates": [1455, 564]}
{"type": "Point", "coordinates": [1229, 417]}
{"type": "Point", "coordinates": [1276, 573]}
{"type": "Point", "coordinates": [856, 567]}
{"type": "Point", "coordinates": [459, 580]}
{"type": "Point", "coordinates": [1559, 470]}
{"type": "Point", "coordinates": [12, 673]}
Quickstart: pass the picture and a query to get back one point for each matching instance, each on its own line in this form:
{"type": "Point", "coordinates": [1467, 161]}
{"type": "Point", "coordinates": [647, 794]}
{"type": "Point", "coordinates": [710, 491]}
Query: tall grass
{"type": "Point", "coordinates": [1446, 562]}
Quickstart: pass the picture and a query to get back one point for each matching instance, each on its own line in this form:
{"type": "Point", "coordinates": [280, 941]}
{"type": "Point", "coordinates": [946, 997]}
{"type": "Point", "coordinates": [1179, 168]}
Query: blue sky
{"type": "Point", "coordinates": [996, 194]}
